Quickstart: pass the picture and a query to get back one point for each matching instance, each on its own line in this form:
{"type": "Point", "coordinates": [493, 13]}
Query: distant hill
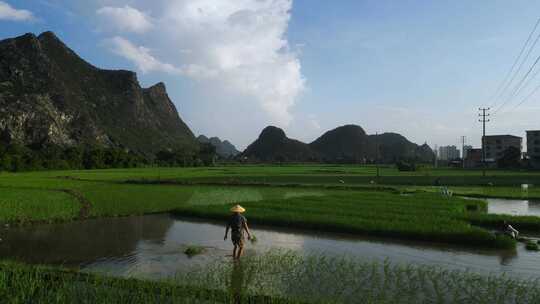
{"type": "Point", "coordinates": [394, 147]}
{"type": "Point", "coordinates": [273, 145]}
{"type": "Point", "coordinates": [345, 144]}
{"type": "Point", "coordinates": [223, 148]}
{"type": "Point", "coordinates": [49, 95]}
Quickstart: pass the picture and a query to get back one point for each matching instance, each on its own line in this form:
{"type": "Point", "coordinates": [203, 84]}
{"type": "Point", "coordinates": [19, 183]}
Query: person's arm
{"type": "Point", "coordinates": [227, 231]}
{"type": "Point", "coordinates": [513, 229]}
{"type": "Point", "coordinates": [247, 230]}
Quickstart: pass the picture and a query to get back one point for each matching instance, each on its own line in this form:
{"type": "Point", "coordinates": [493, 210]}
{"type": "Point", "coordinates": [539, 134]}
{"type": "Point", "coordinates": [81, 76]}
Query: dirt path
{"type": "Point", "coordinates": [86, 205]}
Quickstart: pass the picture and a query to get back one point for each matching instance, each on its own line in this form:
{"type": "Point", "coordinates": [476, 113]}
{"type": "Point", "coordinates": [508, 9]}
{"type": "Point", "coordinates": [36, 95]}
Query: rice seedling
{"type": "Point", "coordinates": [425, 217]}
{"type": "Point", "coordinates": [317, 278]}
{"type": "Point", "coordinates": [356, 209]}
{"type": "Point", "coordinates": [38, 284]}
{"type": "Point", "coordinates": [193, 250]}
{"type": "Point", "coordinates": [532, 245]}
{"type": "Point", "coordinates": [30, 205]}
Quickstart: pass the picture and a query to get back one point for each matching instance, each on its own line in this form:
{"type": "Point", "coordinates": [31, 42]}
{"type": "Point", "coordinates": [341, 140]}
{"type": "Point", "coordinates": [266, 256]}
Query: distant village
{"type": "Point", "coordinates": [501, 151]}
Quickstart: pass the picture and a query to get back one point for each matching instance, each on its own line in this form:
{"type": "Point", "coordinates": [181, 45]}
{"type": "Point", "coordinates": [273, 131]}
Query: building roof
{"type": "Point", "coordinates": [532, 131]}
{"type": "Point", "coordinates": [507, 135]}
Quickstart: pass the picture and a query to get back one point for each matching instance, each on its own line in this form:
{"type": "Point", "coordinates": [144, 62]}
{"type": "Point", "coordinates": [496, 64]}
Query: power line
{"type": "Point", "coordinates": [504, 82]}
{"type": "Point", "coordinates": [518, 86]}
{"type": "Point", "coordinates": [527, 97]}
{"type": "Point", "coordinates": [527, 82]}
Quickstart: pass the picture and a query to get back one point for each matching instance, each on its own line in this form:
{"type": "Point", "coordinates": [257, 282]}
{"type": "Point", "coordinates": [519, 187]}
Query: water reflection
{"type": "Point", "coordinates": [513, 206]}
{"type": "Point", "coordinates": [78, 243]}
{"type": "Point", "coordinates": [152, 247]}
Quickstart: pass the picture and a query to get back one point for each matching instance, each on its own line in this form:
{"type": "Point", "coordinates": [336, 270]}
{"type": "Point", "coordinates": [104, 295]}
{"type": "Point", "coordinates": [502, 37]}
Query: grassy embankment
{"type": "Point", "coordinates": [497, 183]}
{"type": "Point", "coordinates": [426, 217]}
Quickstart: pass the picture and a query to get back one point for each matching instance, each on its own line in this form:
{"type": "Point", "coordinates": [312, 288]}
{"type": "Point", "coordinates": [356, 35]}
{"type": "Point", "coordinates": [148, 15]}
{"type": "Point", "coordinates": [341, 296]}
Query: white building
{"type": "Point", "coordinates": [448, 153]}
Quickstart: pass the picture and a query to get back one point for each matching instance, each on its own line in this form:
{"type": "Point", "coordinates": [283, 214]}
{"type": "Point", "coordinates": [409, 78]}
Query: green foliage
{"type": "Point", "coordinates": [177, 158]}
{"type": "Point", "coordinates": [17, 158]}
{"type": "Point", "coordinates": [404, 166]}
{"type": "Point", "coordinates": [532, 245]}
{"type": "Point", "coordinates": [527, 223]}
{"type": "Point", "coordinates": [510, 159]}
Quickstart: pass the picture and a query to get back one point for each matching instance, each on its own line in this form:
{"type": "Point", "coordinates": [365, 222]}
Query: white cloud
{"type": "Point", "coordinates": [238, 48]}
{"type": "Point", "coordinates": [124, 18]}
{"type": "Point", "coordinates": [139, 55]}
{"type": "Point", "coordinates": [7, 12]}
{"type": "Point", "coordinates": [146, 62]}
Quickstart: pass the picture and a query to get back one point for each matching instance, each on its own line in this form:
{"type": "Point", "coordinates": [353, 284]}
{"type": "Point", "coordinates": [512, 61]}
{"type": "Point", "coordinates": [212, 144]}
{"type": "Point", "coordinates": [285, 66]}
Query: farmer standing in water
{"type": "Point", "coordinates": [237, 223]}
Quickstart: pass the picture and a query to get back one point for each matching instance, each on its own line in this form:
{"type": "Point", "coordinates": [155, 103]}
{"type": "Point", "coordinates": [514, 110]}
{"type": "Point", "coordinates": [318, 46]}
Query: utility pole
{"type": "Point", "coordinates": [377, 154]}
{"type": "Point", "coordinates": [463, 138]}
{"type": "Point", "coordinates": [483, 119]}
{"type": "Point", "coordinates": [436, 156]}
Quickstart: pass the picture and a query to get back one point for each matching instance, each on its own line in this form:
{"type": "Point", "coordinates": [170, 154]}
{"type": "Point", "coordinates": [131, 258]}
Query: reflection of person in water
{"type": "Point", "coordinates": [238, 224]}
{"type": "Point", "coordinates": [507, 256]}
{"type": "Point", "coordinates": [237, 282]}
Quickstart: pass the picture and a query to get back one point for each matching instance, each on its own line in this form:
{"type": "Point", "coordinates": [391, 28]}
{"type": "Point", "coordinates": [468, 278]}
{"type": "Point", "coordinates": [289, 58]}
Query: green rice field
{"type": "Point", "coordinates": [276, 277]}
{"type": "Point", "coordinates": [345, 199]}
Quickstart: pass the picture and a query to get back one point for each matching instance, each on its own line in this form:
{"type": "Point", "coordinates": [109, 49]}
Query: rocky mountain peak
{"type": "Point", "coordinates": [49, 36]}
{"type": "Point", "coordinates": [272, 133]}
{"type": "Point", "coordinates": [48, 94]}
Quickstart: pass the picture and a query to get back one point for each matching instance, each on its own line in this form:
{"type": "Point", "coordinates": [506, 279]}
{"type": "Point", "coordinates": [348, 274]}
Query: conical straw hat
{"type": "Point", "coordinates": [238, 208]}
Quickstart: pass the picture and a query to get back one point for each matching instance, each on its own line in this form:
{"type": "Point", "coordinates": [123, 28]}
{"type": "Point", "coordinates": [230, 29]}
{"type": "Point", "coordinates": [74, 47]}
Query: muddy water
{"type": "Point", "coordinates": [152, 247]}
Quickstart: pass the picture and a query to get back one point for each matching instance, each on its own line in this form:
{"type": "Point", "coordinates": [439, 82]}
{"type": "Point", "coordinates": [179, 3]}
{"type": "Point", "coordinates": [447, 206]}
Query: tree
{"type": "Point", "coordinates": [208, 154]}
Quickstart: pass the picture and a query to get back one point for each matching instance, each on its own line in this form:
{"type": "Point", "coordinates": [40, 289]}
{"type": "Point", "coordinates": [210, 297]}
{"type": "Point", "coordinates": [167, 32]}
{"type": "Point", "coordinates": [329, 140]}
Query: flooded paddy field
{"type": "Point", "coordinates": [116, 229]}
{"type": "Point", "coordinates": [152, 246]}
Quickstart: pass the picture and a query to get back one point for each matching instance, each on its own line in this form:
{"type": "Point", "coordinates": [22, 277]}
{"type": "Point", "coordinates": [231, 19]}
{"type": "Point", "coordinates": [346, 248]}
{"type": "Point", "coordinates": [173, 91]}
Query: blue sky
{"type": "Point", "coordinates": [419, 68]}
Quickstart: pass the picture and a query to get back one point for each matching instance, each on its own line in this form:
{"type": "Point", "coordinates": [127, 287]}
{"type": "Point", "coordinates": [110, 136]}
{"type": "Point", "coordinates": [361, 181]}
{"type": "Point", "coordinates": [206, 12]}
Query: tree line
{"type": "Point", "coordinates": [17, 158]}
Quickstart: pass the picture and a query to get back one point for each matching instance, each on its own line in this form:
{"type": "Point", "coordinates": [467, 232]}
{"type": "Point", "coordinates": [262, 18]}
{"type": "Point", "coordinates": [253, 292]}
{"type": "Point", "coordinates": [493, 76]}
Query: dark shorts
{"type": "Point", "coordinates": [237, 239]}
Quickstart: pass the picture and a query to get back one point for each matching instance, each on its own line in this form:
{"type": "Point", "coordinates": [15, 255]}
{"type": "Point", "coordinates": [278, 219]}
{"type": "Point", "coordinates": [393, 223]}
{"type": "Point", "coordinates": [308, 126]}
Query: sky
{"type": "Point", "coordinates": [418, 68]}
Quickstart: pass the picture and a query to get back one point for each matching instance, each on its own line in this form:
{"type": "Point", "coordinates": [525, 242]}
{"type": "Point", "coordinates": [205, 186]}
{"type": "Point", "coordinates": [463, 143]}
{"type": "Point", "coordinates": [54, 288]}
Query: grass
{"type": "Point", "coordinates": [322, 279]}
{"type": "Point", "coordinates": [482, 192]}
{"type": "Point", "coordinates": [425, 217]}
{"type": "Point", "coordinates": [525, 223]}
{"type": "Point", "coordinates": [30, 205]}
{"type": "Point", "coordinates": [193, 250]}
{"type": "Point", "coordinates": [275, 277]}
{"type": "Point", "coordinates": [39, 284]}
